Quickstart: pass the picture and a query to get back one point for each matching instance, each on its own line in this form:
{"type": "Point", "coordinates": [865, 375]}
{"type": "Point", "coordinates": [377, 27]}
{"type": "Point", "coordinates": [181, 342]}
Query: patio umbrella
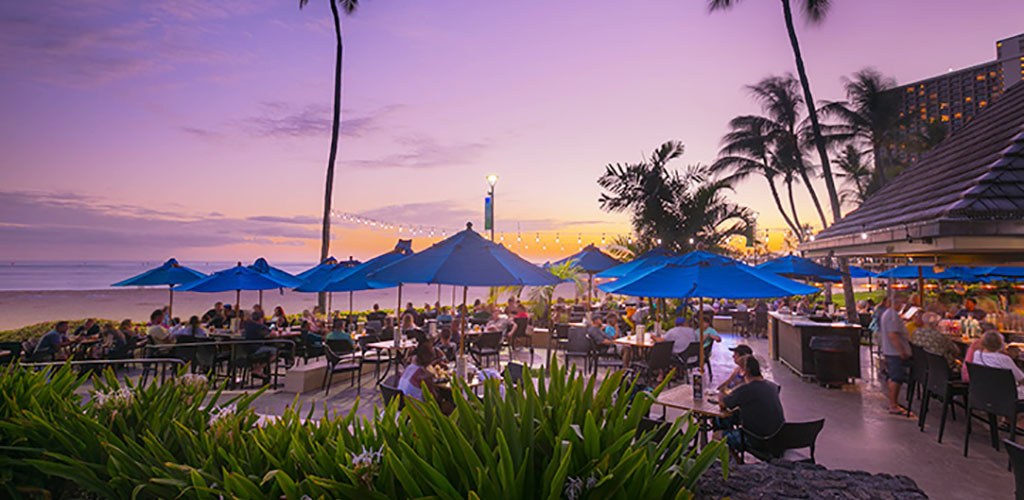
{"type": "Point", "coordinates": [926, 272]}
{"type": "Point", "coordinates": [325, 264]}
{"type": "Point", "coordinates": [792, 266]}
{"type": "Point", "coordinates": [646, 259]}
{"type": "Point", "coordinates": [860, 272]}
{"type": "Point", "coordinates": [353, 278]}
{"type": "Point", "coordinates": [169, 273]}
{"type": "Point", "coordinates": [465, 259]}
{"type": "Point", "coordinates": [1002, 272]}
{"type": "Point", "coordinates": [237, 278]}
{"type": "Point", "coordinates": [320, 273]}
{"type": "Point", "coordinates": [590, 260]}
{"type": "Point", "coordinates": [263, 267]}
{"type": "Point", "coordinates": [702, 275]}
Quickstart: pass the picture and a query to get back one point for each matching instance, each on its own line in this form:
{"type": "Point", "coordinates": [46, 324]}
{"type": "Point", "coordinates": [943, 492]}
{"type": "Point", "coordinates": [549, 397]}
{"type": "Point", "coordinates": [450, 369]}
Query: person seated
{"type": "Point", "coordinates": [990, 354]}
{"type": "Point", "coordinates": [128, 329]}
{"type": "Point", "coordinates": [87, 329]}
{"type": "Point", "coordinates": [338, 331]}
{"type": "Point", "coordinates": [927, 336]}
{"type": "Point", "coordinates": [710, 335]}
{"type": "Point", "coordinates": [970, 310]}
{"type": "Point", "coordinates": [444, 316]}
{"type": "Point", "coordinates": [416, 374]}
{"type": "Point", "coordinates": [681, 336]}
{"type": "Point", "coordinates": [115, 344]}
{"type": "Point", "coordinates": [213, 314]}
{"type": "Point", "coordinates": [445, 344]}
{"type": "Point", "coordinates": [159, 334]}
{"type": "Point", "coordinates": [735, 379]}
{"type": "Point", "coordinates": [410, 310]}
{"type": "Point", "coordinates": [408, 322]}
{"type": "Point", "coordinates": [279, 320]}
{"type": "Point", "coordinates": [52, 342]}
{"type": "Point", "coordinates": [376, 314]}
{"type": "Point", "coordinates": [192, 329]}
{"type": "Point", "coordinates": [258, 309]}
{"type": "Point", "coordinates": [760, 410]}
{"type": "Point", "coordinates": [261, 355]}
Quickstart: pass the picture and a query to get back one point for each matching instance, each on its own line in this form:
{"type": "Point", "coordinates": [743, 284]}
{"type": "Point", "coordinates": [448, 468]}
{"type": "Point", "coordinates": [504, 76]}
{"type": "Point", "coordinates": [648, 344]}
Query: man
{"type": "Point", "coordinates": [88, 329]}
{"type": "Point", "coordinates": [758, 402]}
{"type": "Point", "coordinates": [51, 342]}
{"type": "Point", "coordinates": [928, 337]}
{"type": "Point", "coordinates": [376, 314]}
{"type": "Point", "coordinates": [157, 331]}
{"type": "Point", "coordinates": [896, 350]}
{"type": "Point", "coordinates": [260, 355]}
{"type": "Point", "coordinates": [969, 310]}
{"type": "Point", "coordinates": [681, 335]}
{"type": "Point", "coordinates": [736, 378]}
{"type": "Point", "coordinates": [216, 317]}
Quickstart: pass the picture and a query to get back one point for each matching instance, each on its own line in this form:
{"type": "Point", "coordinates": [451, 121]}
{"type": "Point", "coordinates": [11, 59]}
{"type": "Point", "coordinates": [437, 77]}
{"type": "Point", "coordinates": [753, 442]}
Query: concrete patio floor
{"type": "Point", "coordinates": [859, 433]}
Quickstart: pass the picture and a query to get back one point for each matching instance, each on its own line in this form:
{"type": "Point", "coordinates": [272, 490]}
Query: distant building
{"type": "Point", "coordinates": [955, 97]}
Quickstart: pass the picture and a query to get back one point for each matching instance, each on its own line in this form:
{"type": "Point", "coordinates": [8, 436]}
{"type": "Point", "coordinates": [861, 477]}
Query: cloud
{"type": "Point", "coordinates": [424, 152]}
{"type": "Point", "coordinates": [66, 225]}
{"type": "Point", "coordinates": [439, 214]}
{"type": "Point", "coordinates": [280, 119]}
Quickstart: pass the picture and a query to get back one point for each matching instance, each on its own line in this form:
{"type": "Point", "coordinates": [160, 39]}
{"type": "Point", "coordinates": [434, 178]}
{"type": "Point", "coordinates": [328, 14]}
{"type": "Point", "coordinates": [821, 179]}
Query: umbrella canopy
{"type": "Point", "coordinates": [327, 263]}
{"type": "Point", "coordinates": [233, 279]}
{"type": "Point", "coordinates": [1001, 272]}
{"type": "Point", "coordinates": [168, 273]}
{"type": "Point", "coordinates": [644, 260]}
{"type": "Point", "coordinates": [351, 278]}
{"type": "Point", "coordinates": [320, 273]}
{"type": "Point", "coordinates": [465, 259]}
{"type": "Point", "coordinates": [702, 274]}
{"type": "Point", "coordinates": [591, 260]}
{"type": "Point", "coordinates": [792, 266]}
{"type": "Point", "coordinates": [263, 267]}
{"type": "Point", "coordinates": [860, 272]}
{"type": "Point", "coordinates": [911, 272]}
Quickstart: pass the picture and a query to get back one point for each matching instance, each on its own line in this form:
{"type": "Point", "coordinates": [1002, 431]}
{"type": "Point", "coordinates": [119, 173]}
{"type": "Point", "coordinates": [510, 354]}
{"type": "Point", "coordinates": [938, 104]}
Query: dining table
{"type": "Point", "coordinates": [704, 409]}
{"type": "Point", "coordinates": [395, 353]}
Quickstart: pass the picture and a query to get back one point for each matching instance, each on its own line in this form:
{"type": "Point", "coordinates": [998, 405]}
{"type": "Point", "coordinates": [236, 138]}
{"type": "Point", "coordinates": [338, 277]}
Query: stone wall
{"type": "Point", "coordinates": [781, 480]}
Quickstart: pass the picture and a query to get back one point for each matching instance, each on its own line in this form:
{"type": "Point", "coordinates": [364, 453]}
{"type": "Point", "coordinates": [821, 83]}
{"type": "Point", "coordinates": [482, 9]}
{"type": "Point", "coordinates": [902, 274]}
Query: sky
{"type": "Point", "coordinates": [144, 130]}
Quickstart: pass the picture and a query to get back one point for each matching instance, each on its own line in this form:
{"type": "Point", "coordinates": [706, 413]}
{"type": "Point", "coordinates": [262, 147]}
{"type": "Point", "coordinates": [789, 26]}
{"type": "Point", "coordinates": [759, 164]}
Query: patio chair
{"type": "Point", "coordinates": [659, 359]}
{"type": "Point", "coordinates": [792, 436]}
{"type": "Point", "coordinates": [760, 323]}
{"type": "Point", "coordinates": [918, 375]}
{"type": "Point", "coordinates": [1016, 453]}
{"type": "Point", "coordinates": [15, 351]}
{"type": "Point", "coordinates": [374, 326]}
{"type": "Point", "coordinates": [741, 323]}
{"type": "Point", "coordinates": [514, 373]}
{"type": "Point", "coordinates": [487, 346]}
{"type": "Point", "coordinates": [341, 357]}
{"type": "Point", "coordinates": [994, 391]}
{"type": "Point", "coordinates": [940, 385]}
{"type": "Point", "coordinates": [688, 359]}
{"type": "Point", "coordinates": [372, 356]}
{"type": "Point", "coordinates": [578, 346]}
{"type": "Point", "coordinates": [389, 393]}
{"type": "Point", "coordinates": [656, 425]}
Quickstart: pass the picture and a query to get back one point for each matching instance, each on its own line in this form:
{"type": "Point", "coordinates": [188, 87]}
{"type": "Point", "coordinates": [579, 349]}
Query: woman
{"type": "Point", "coordinates": [193, 329]}
{"type": "Point", "coordinates": [128, 330]}
{"type": "Point", "coordinates": [115, 344]}
{"type": "Point", "coordinates": [990, 355]}
{"type": "Point", "coordinates": [416, 374]}
{"type": "Point", "coordinates": [446, 346]}
{"type": "Point", "coordinates": [279, 320]}
{"type": "Point", "coordinates": [408, 322]}
{"type": "Point", "coordinates": [312, 323]}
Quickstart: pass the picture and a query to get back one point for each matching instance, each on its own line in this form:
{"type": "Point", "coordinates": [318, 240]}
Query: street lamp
{"type": "Point", "coordinates": [489, 214]}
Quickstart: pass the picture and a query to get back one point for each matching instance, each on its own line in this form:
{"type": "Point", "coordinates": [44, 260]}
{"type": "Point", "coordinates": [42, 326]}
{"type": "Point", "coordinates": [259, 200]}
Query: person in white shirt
{"type": "Point", "coordinates": [990, 355]}
{"type": "Point", "coordinates": [681, 334]}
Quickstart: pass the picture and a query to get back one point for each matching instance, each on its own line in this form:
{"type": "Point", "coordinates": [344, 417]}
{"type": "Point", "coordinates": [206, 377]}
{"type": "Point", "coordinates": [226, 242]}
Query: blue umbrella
{"type": "Point", "coordinates": [352, 278]}
{"type": "Point", "coordinates": [237, 278]}
{"type": "Point", "coordinates": [1002, 272]}
{"type": "Point", "coordinates": [327, 263]}
{"type": "Point", "coordinates": [859, 272]}
{"type": "Point", "coordinates": [649, 258]}
{"type": "Point", "coordinates": [323, 272]}
{"type": "Point", "coordinates": [169, 273]}
{"type": "Point", "coordinates": [590, 260]}
{"type": "Point", "coordinates": [792, 266]}
{"type": "Point", "coordinates": [263, 267]}
{"type": "Point", "coordinates": [702, 274]}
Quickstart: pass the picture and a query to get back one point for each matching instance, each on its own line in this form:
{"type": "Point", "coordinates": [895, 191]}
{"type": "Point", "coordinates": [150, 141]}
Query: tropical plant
{"type": "Point", "coordinates": [626, 248]}
{"type": "Point", "coordinates": [869, 119]}
{"type": "Point", "coordinates": [541, 296]}
{"type": "Point", "coordinates": [566, 436]}
{"type": "Point", "coordinates": [348, 7]}
{"type": "Point", "coordinates": [679, 211]}
{"type": "Point", "coordinates": [856, 174]}
{"type": "Point", "coordinates": [814, 11]}
{"type": "Point", "coordinates": [927, 137]}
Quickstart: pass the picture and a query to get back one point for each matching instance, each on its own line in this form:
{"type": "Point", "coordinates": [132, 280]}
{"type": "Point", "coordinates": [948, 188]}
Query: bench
{"type": "Point", "coordinates": [310, 377]}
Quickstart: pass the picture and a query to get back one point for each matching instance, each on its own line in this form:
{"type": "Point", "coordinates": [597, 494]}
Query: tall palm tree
{"type": "Point", "coordinates": [348, 7]}
{"type": "Point", "coordinates": [745, 152]}
{"type": "Point", "coordinates": [856, 173]}
{"type": "Point", "coordinates": [780, 99]}
{"type": "Point", "coordinates": [814, 11]}
{"type": "Point", "coordinates": [869, 117]}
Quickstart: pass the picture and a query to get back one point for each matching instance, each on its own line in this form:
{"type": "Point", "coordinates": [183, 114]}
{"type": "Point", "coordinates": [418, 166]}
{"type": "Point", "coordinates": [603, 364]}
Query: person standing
{"type": "Point", "coordinates": [896, 350]}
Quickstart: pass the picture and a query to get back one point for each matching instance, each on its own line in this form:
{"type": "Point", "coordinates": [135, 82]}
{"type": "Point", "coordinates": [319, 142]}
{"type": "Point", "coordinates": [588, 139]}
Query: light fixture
{"type": "Point", "coordinates": [691, 241]}
{"type": "Point", "coordinates": [556, 237]}
{"type": "Point", "coordinates": [659, 241]}
{"type": "Point", "coordinates": [519, 238]}
{"type": "Point", "coordinates": [863, 236]}
{"type": "Point", "coordinates": [492, 179]}
{"type": "Point", "coordinates": [538, 238]}
{"type": "Point", "coordinates": [602, 238]}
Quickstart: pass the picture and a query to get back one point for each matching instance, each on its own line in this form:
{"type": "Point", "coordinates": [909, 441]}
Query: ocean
{"type": "Point", "coordinates": [38, 276]}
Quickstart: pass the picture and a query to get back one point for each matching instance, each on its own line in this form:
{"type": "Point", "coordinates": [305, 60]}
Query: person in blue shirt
{"type": "Point", "coordinates": [53, 340]}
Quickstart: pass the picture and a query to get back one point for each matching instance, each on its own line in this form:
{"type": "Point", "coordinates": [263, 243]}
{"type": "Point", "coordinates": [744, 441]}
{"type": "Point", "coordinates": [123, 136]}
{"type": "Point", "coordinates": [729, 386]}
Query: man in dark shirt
{"type": "Point", "coordinates": [970, 310]}
{"type": "Point", "coordinates": [758, 403]}
{"type": "Point", "coordinates": [376, 314]}
{"type": "Point", "coordinates": [260, 355]}
{"type": "Point", "coordinates": [88, 329]}
{"type": "Point", "coordinates": [52, 341]}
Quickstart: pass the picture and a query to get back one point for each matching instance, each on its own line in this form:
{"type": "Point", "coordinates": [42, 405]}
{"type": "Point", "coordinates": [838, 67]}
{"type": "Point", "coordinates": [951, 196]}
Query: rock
{"type": "Point", "coordinates": [784, 480]}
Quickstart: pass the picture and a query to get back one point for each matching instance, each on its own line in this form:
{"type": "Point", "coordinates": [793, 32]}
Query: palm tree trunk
{"type": "Point", "coordinates": [778, 204]}
{"type": "Point", "coordinates": [325, 242]}
{"type": "Point", "coordinates": [792, 207]}
{"type": "Point", "coordinates": [878, 150]}
{"type": "Point", "coordinates": [807, 182]}
{"type": "Point", "coordinates": [819, 142]}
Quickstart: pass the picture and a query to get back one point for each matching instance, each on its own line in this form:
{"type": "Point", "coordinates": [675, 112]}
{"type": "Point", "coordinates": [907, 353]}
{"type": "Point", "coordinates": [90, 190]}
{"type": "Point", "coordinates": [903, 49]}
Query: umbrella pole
{"type": "Point", "coordinates": [700, 329]}
{"type": "Point", "coordinates": [590, 291]}
{"type": "Point", "coordinates": [462, 321]}
{"type": "Point", "coordinates": [261, 299]}
{"type": "Point", "coordinates": [920, 287]}
{"type": "Point", "coordinates": [170, 305]}
{"type": "Point", "coordinates": [398, 311]}
{"type": "Point", "coordinates": [330, 297]}
{"type": "Point", "coordinates": [439, 294]}
{"type": "Point", "coordinates": [350, 303]}
{"type": "Point", "coordinates": [238, 311]}
{"type": "Point", "coordinates": [453, 299]}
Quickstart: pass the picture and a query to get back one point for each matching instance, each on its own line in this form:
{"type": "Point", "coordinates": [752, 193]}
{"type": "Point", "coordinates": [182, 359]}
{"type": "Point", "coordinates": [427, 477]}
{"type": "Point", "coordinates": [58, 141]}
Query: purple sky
{"type": "Point", "coordinates": [139, 130]}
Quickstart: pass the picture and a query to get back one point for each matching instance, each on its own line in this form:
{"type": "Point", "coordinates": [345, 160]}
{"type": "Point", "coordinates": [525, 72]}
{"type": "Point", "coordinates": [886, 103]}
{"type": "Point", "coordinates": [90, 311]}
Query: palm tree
{"type": "Point", "coordinates": [745, 152]}
{"type": "Point", "coordinates": [541, 296]}
{"type": "Point", "coordinates": [626, 249]}
{"type": "Point", "coordinates": [348, 7]}
{"type": "Point", "coordinates": [869, 117]}
{"type": "Point", "coordinates": [814, 11]}
{"type": "Point", "coordinates": [856, 173]}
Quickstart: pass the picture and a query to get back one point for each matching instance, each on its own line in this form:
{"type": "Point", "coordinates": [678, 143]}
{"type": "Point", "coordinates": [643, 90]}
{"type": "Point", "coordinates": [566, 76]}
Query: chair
{"type": "Point", "coordinates": [792, 436]}
{"type": "Point", "coordinates": [683, 359]}
{"type": "Point", "coordinates": [761, 323]}
{"type": "Point", "coordinates": [372, 356]}
{"type": "Point", "coordinates": [487, 345]}
{"type": "Point", "coordinates": [389, 393]}
{"type": "Point", "coordinates": [939, 385]}
{"type": "Point", "coordinates": [15, 351]}
{"type": "Point", "coordinates": [994, 391]}
{"type": "Point", "coordinates": [519, 333]}
{"type": "Point", "coordinates": [659, 358]}
{"type": "Point", "coordinates": [310, 346]}
{"type": "Point", "coordinates": [918, 374]}
{"type": "Point", "coordinates": [514, 373]}
{"type": "Point", "coordinates": [578, 346]}
{"type": "Point", "coordinates": [707, 360]}
{"type": "Point", "coordinates": [741, 323]}
{"type": "Point", "coordinates": [1016, 453]}
{"type": "Point", "coordinates": [658, 426]}
{"type": "Point", "coordinates": [480, 318]}
{"type": "Point", "coordinates": [374, 326]}
{"type": "Point", "coordinates": [341, 357]}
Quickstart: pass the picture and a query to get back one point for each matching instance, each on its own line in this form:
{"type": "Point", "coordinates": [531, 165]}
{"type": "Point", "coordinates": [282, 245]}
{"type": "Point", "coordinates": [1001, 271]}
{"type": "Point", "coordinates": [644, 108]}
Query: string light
{"type": "Point", "coordinates": [538, 238]}
{"type": "Point", "coordinates": [602, 238]}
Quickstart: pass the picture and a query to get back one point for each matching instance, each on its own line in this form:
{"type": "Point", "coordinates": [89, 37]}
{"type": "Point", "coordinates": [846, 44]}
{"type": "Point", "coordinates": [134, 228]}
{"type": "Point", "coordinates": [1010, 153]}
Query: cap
{"type": "Point", "coordinates": [680, 321]}
{"type": "Point", "coordinates": [742, 349]}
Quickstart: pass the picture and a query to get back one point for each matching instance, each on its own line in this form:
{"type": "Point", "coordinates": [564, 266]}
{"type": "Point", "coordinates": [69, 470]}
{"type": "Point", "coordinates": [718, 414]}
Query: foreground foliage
{"type": "Point", "coordinates": [554, 438]}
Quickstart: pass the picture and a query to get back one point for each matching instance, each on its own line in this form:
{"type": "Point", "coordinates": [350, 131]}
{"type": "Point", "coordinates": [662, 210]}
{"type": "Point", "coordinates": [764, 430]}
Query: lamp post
{"type": "Point", "coordinates": [489, 221]}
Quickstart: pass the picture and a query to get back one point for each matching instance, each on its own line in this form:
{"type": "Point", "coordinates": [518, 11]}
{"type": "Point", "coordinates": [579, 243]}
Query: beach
{"type": "Point", "coordinates": [23, 308]}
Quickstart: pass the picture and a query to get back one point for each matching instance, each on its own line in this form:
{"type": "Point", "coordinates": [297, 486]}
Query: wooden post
{"type": "Point", "coordinates": [238, 310]}
{"type": "Point", "coordinates": [462, 321]}
{"type": "Point", "coordinates": [700, 331]}
{"type": "Point", "coordinates": [261, 299]}
{"type": "Point", "coordinates": [920, 288]}
{"type": "Point", "coordinates": [170, 305]}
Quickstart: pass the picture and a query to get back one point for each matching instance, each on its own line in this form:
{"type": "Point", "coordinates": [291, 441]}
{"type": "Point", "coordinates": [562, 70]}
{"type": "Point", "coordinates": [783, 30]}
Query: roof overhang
{"type": "Point", "coordinates": [952, 242]}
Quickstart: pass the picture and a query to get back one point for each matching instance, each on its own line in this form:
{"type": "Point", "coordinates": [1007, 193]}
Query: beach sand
{"type": "Point", "coordinates": [19, 309]}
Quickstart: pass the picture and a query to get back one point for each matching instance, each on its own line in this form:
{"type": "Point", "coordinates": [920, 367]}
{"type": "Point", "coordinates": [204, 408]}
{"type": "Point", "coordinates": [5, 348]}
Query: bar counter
{"type": "Point", "coordinates": [790, 337]}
